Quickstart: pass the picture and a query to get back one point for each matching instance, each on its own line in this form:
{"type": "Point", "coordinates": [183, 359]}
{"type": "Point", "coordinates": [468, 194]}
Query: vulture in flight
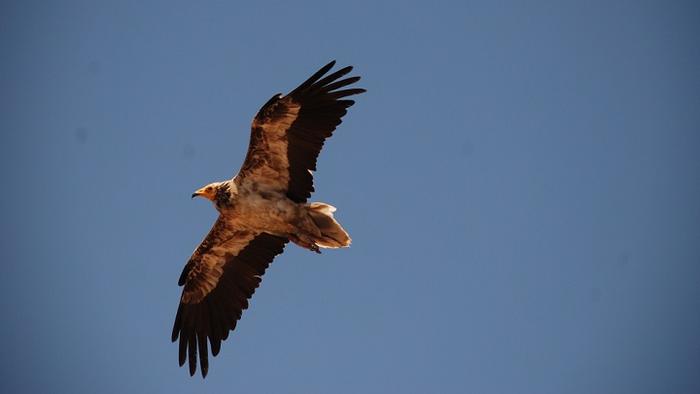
{"type": "Point", "coordinates": [261, 209]}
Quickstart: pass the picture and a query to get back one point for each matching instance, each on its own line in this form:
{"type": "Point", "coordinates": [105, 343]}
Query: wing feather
{"type": "Point", "coordinates": [289, 131]}
{"type": "Point", "coordinates": [218, 280]}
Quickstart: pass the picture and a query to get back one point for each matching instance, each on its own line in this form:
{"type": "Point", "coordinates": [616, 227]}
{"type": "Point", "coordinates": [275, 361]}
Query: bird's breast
{"type": "Point", "coordinates": [264, 211]}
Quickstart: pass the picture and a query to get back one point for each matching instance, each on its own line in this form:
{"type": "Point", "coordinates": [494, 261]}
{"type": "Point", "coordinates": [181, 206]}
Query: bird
{"type": "Point", "coordinates": [261, 209]}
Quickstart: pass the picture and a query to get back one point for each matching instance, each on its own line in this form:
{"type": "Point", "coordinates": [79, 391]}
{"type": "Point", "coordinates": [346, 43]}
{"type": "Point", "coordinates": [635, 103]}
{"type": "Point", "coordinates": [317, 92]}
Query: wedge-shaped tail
{"type": "Point", "coordinates": [333, 235]}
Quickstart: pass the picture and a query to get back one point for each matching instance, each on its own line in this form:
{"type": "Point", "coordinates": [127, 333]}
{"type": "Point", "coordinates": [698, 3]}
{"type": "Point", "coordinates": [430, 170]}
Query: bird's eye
{"type": "Point", "coordinates": [208, 188]}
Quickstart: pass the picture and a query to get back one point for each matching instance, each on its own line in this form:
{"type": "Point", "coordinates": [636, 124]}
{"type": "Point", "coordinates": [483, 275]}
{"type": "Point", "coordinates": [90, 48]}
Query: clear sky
{"type": "Point", "coordinates": [521, 182]}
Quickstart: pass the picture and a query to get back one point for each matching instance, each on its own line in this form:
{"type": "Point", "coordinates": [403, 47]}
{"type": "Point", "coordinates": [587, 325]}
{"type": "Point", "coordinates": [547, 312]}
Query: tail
{"type": "Point", "coordinates": [332, 233]}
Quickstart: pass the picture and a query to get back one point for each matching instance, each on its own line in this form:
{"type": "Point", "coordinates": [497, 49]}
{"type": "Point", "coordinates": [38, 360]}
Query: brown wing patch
{"type": "Point", "coordinates": [212, 317]}
{"type": "Point", "coordinates": [208, 267]}
{"type": "Point", "coordinates": [266, 161]}
{"type": "Point", "coordinates": [288, 133]}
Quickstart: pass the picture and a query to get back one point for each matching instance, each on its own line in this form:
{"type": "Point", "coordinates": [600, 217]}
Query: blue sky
{"type": "Point", "coordinates": [521, 182]}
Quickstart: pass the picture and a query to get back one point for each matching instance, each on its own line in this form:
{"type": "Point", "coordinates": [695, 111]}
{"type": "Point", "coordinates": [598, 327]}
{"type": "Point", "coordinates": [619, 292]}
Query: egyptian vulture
{"type": "Point", "coordinates": [261, 209]}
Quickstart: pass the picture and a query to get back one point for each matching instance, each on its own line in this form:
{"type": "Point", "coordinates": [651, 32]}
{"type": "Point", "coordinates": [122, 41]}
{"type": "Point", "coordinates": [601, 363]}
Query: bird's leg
{"type": "Point", "coordinates": [306, 244]}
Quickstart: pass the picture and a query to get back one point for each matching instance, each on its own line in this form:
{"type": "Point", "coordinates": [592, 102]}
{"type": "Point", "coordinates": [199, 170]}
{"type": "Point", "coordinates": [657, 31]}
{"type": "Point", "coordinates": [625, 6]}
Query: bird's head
{"type": "Point", "coordinates": [208, 191]}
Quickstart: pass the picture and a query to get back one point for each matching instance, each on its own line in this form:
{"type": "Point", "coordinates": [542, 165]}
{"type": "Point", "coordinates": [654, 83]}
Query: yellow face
{"type": "Point", "coordinates": [208, 192]}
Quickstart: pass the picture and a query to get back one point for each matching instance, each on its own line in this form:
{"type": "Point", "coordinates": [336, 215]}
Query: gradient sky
{"type": "Point", "coordinates": [521, 182]}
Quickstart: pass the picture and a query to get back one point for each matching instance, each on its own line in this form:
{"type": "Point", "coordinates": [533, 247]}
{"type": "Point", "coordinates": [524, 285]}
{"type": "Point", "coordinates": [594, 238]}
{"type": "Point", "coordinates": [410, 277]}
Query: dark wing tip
{"type": "Point", "coordinates": [192, 352]}
{"type": "Point", "coordinates": [182, 353]}
{"type": "Point", "coordinates": [204, 367]}
{"type": "Point", "coordinates": [344, 93]}
{"type": "Point", "coordinates": [315, 77]}
{"type": "Point", "coordinates": [215, 347]}
{"type": "Point", "coordinates": [176, 325]}
{"type": "Point", "coordinates": [203, 356]}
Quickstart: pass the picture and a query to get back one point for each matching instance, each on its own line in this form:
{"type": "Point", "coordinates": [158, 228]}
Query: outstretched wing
{"type": "Point", "coordinates": [289, 131]}
{"type": "Point", "coordinates": [218, 280]}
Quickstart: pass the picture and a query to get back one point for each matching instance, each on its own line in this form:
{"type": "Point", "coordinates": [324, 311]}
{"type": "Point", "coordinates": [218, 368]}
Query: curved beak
{"type": "Point", "coordinates": [207, 192]}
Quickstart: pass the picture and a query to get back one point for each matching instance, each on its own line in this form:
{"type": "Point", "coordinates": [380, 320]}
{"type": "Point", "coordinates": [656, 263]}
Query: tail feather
{"type": "Point", "coordinates": [332, 233]}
